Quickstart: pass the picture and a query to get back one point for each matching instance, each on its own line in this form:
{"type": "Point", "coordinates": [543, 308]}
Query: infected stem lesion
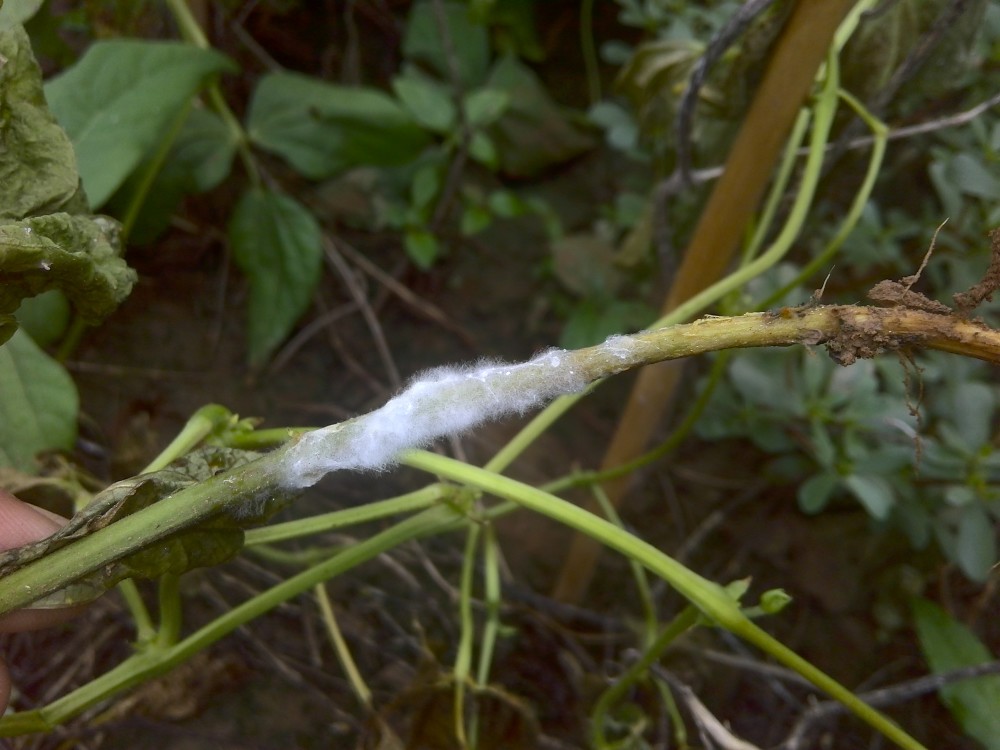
{"type": "Point", "coordinates": [850, 332]}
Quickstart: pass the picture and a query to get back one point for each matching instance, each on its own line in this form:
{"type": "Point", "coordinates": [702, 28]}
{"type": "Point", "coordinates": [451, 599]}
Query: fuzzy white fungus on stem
{"type": "Point", "coordinates": [439, 402]}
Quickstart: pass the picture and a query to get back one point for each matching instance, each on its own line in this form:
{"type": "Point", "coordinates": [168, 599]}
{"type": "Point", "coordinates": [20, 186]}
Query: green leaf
{"type": "Point", "coordinates": [44, 317]}
{"type": "Point", "coordinates": [762, 381]}
{"type": "Point", "coordinates": [429, 102]}
{"type": "Point", "coordinates": [973, 178]}
{"type": "Point", "coordinates": [468, 42]}
{"type": "Point", "coordinates": [118, 100]}
{"type": "Point", "coordinates": [533, 132]}
{"type": "Point", "coordinates": [485, 106]}
{"type": "Point", "coordinates": [976, 546]}
{"type": "Point", "coordinates": [322, 129]}
{"type": "Point", "coordinates": [592, 321]}
{"type": "Point", "coordinates": [422, 247]}
{"type": "Point", "coordinates": [970, 406]}
{"type": "Point", "coordinates": [425, 186]}
{"type": "Point", "coordinates": [475, 219]}
{"type": "Point", "coordinates": [77, 254]}
{"type": "Point", "coordinates": [278, 245]}
{"type": "Point", "coordinates": [483, 150]}
{"type": "Point", "coordinates": [200, 158]}
{"type": "Point", "coordinates": [37, 165]}
{"type": "Point", "coordinates": [949, 645]}
{"type": "Point", "coordinates": [874, 493]}
{"type": "Point", "coordinates": [38, 404]}
{"type": "Point", "coordinates": [816, 491]}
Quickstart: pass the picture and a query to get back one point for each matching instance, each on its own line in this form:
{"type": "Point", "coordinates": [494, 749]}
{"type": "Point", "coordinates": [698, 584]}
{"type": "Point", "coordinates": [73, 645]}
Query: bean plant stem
{"type": "Point", "coordinates": [868, 330]}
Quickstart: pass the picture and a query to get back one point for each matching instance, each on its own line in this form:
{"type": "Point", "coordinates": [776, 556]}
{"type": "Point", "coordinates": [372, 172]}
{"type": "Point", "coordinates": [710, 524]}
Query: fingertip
{"type": "Point", "coordinates": [21, 523]}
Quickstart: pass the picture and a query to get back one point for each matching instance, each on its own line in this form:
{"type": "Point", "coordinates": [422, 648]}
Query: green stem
{"type": "Point", "coordinates": [361, 689]}
{"type": "Point", "coordinates": [880, 134]}
{"type": "Point", "coordinates": [192, 32]}
{"type": "Point", "coordinates": [686, 620]}
{"type": "Point", "coordinates": [171, 610]}
{"type": "Point", "coordinates": [338, 519]}
{"type": "Point", "coordinates": [589, 51]}
{"type": "Point", "coordinates": [709, 597]}
{"type": "Point", "coordinates": [492, 594]}
{"type": "Point", "coordinates": [152, 168]}
{"type": "Point", "coordinates": [467, 628]}
{"type": "Point", "coordinates": [148, 664]}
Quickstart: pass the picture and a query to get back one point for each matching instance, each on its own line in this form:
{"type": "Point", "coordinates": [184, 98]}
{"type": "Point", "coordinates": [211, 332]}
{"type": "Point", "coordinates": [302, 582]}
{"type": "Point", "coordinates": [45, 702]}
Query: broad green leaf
{"type": "Point", "coordinates": [429, 102]}
{"type": "Point", "coordinates": [533, 132]}
{"type": "Point", "coordinates": [38, 404]}
{"type": "Point", "coordinates": [118, 100]}
{"type": "Point", "coordinates": [949, 645]}
{"type": "Point", "coordinates": [976, 546]}
{"type": "Point", "coordinates": [37, 165]}
{"type": "Point", "coordinates": [203, 151]}
{"type": "Point", "coordinates": [468, 42]}
{"type": "Point", "coordinates": [76, 254]}
{"type": "Point", "coordinates": [278, 245]}
{"type": "Point", "coordinates": [322, 129]}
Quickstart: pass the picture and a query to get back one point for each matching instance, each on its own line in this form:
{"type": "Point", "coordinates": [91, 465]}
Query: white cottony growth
{"type": "Point", "coordinates": [444, 401]}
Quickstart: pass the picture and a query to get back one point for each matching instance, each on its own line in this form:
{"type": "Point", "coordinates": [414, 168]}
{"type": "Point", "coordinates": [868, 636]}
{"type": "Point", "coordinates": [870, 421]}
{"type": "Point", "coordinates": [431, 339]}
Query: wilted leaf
{"type": "Point", "coordinates": [118, 100]}
{"type": "Point", "coordinates": [38, 404]}
{"type": "Point", "coordinates": [533, 132]}
{"type": "Point", "coordinates": [16, 12]}
{"type": "Point", "coordinates": [949, 645]}
{"type": "Point", "coordinates": [211, 542]}
{"type": "Point", "coordinates": [37, 166]}
{"type": "Point", "coordinates": [277, 244]}
{"type": "Point", "coordinates": [322, 129]}
{"type": "Point", "coordinates": [76, 254]}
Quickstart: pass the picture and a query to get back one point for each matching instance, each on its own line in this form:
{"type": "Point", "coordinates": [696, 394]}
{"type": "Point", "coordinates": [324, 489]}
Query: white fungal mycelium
{"type": "Point", "coordinates": [439, 402]}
